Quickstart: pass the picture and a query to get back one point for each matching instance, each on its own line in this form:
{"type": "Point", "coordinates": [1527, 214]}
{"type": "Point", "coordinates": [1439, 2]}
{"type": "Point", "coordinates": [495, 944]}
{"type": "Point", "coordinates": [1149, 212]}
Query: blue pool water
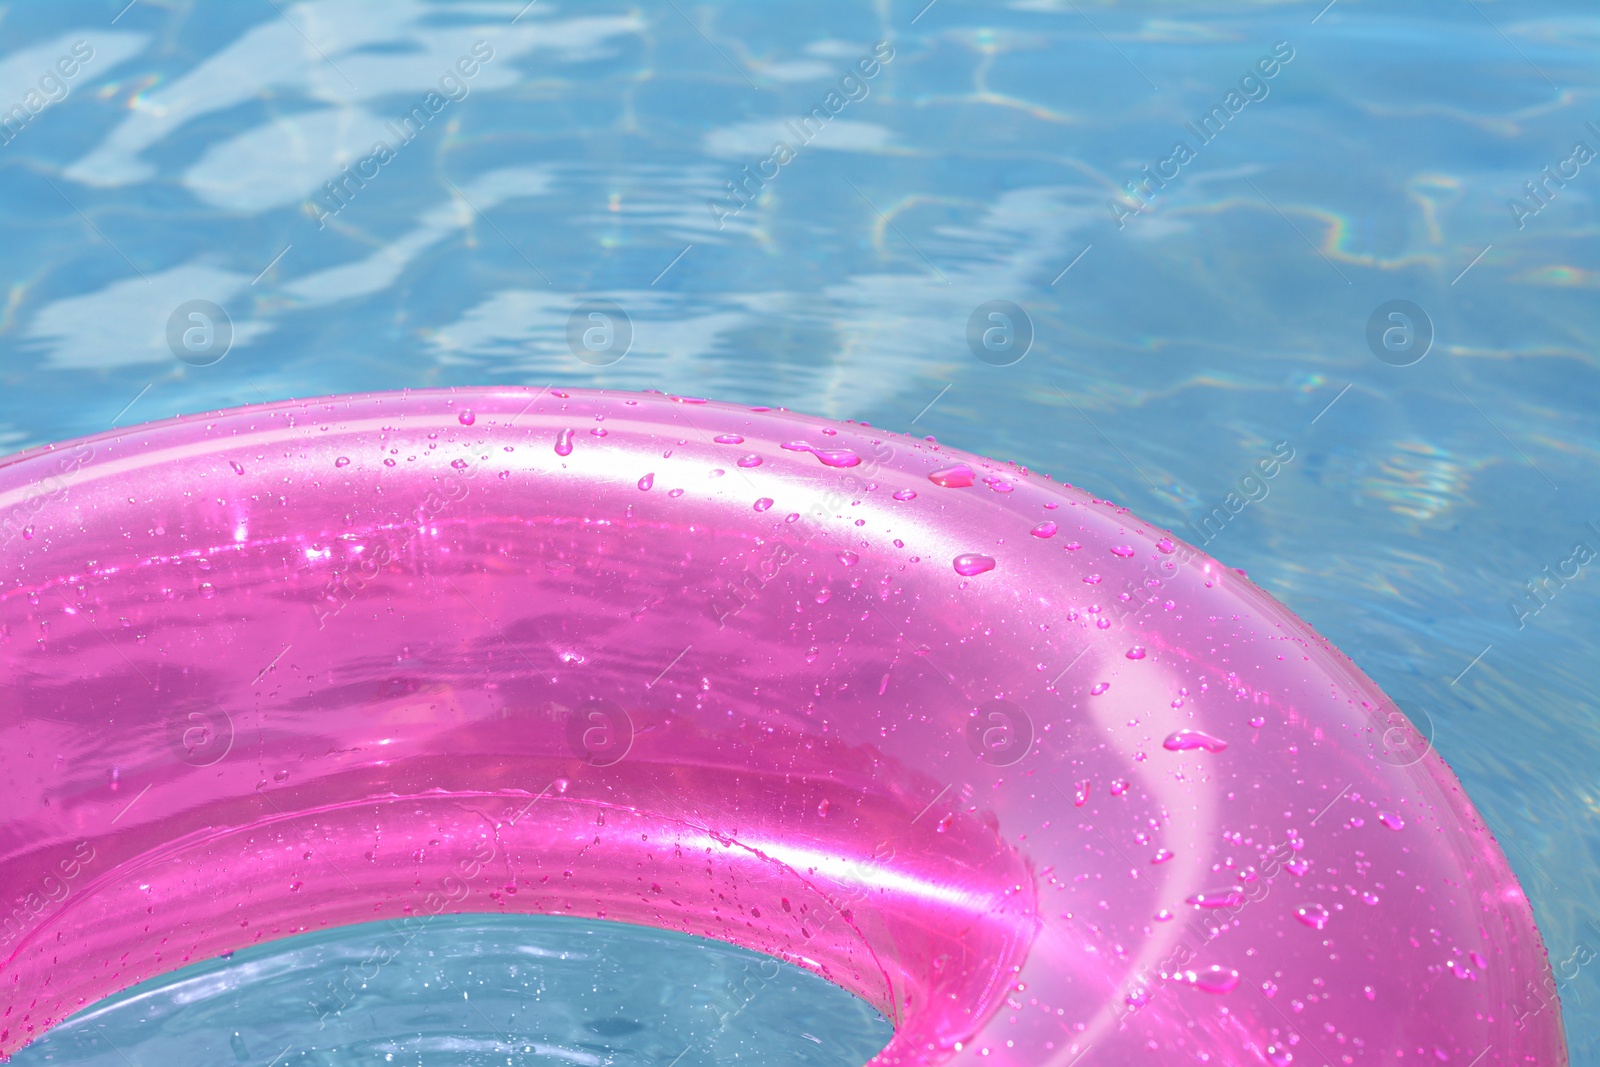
{"type": "Point", "coordinates": [476, 990]}
{"type": "Point", "coordinates": [1185, 319]}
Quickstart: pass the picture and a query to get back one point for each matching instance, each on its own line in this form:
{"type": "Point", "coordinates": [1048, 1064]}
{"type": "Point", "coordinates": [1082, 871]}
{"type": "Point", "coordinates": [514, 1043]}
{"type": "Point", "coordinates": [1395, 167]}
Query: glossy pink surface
{"type": "Point", "coordinates": [322, 662]}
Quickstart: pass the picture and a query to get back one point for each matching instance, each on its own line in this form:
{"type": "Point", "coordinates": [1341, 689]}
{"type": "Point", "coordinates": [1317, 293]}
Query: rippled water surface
{"type": "Point", "coordinates": [477, 990]}
{"type": "Point", "coordinates": [1186, 319]}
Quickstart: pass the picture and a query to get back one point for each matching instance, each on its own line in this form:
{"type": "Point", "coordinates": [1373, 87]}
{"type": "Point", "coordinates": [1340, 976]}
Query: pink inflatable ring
{"type": "Point", "coordinates": [1040, 782]}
